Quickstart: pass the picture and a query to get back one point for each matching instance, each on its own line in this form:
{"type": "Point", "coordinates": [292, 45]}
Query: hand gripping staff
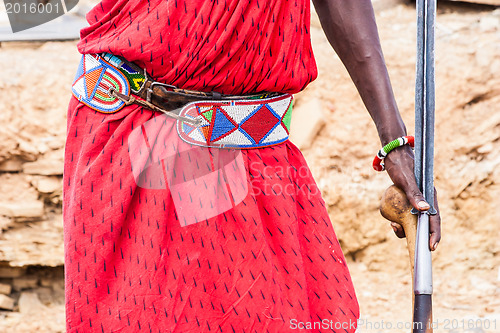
{"type": "Point", "coordinates": [424, 161]}
{"type": "Point", "coordinates": [395, 206]}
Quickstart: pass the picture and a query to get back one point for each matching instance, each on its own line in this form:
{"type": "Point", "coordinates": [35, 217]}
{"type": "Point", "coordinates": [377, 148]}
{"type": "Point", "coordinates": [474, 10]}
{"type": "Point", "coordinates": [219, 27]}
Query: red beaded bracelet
{"type": "Point", "coordinates": [378, 165]}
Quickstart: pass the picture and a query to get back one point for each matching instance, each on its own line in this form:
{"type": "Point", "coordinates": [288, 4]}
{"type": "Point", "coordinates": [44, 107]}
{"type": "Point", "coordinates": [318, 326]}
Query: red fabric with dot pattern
{"type": "Point", "coordinates": [131, 267]}
{"type": "Point", "coordinates": [229, 46]}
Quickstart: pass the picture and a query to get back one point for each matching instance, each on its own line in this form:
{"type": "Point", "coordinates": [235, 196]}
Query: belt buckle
{"type": "Point", "coordinates": [149, 90]}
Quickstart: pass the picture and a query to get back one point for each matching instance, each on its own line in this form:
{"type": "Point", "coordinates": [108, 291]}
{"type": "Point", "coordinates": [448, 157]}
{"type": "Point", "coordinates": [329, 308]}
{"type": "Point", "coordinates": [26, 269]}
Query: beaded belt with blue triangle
{"type": "Point", "coordinates": [107, 83]}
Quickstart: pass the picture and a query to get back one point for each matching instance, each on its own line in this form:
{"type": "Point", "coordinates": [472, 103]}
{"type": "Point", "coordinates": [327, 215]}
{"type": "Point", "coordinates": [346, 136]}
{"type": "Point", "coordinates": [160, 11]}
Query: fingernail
{"type": "Point", "coordinates": [423, 205]}
{"type": "Point", "coordinates": [434, 247]}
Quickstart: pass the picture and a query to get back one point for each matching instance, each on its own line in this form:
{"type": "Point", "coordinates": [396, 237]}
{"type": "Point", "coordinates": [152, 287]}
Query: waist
{"type": "Point", "coordinates": [107, 83]}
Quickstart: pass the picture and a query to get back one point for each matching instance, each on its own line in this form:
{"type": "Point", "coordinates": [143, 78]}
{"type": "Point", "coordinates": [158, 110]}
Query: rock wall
{"type": "Point", "coordinates": [33, 99]}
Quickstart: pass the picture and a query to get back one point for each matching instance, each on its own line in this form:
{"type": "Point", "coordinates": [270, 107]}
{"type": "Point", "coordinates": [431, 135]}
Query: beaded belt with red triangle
{"type": "Point", "coordinates": [107, 83]}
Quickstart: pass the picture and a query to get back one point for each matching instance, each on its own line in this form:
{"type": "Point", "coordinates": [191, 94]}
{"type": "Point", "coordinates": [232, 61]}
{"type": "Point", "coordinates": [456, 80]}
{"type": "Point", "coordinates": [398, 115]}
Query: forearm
{"type": "Point", "coordinates": [351, 30]}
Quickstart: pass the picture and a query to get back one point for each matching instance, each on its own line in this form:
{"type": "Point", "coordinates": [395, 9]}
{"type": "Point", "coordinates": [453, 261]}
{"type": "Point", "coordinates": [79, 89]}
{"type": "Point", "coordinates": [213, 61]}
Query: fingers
{"type": "Point", "coordinates": [399, 166]}
{"type": "Point", "coordinates": [398, 230]}
{"type": "Point", "coordinates": [435, 226]}
{"type": "Point", "coordinates": [414, 195]}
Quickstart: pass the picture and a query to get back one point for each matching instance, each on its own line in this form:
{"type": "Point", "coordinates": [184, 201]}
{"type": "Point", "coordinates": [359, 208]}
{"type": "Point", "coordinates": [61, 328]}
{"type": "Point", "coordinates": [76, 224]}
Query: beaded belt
{"type": "Point", "coordinates": [106, 83]}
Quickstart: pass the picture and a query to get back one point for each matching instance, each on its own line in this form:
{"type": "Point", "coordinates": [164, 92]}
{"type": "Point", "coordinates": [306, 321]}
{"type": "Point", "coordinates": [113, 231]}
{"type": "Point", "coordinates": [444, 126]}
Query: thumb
{"type": "Point", "coordinates": [416, 197]}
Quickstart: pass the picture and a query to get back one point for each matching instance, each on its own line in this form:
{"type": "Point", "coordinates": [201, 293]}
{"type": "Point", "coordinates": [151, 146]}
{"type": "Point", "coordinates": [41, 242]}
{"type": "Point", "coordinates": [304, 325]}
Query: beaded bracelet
{"type": "Point", "coordinates": [382, 153]}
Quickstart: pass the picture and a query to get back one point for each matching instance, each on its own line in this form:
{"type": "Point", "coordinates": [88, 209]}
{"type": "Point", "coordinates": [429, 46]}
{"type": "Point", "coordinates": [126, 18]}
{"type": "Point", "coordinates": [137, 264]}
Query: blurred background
{"type": "Point", "coordinates": [338, 140]}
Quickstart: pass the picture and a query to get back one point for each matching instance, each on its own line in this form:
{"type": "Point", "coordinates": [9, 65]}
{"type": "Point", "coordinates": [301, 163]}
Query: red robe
{"type": "Point", "coordinates": [271, 261]}
{"type": "Point", "coordinates": [228, 46]}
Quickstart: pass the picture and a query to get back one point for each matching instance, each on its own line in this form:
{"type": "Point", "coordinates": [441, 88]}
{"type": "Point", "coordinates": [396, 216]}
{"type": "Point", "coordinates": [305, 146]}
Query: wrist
{"type": "Point", "coordinates": [389, 125]}
{"type": "Point", "coordinates": [386, 135]}
{"type": "Point", "coordinates": [378, 163]}
{"type": "Point", "coordinates": [385, 139]}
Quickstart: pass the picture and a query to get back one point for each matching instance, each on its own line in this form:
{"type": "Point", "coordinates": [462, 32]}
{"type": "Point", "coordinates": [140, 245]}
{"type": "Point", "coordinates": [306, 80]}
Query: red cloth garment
{"type": "Point", "coordinates": [161, 236]}
{"type": "Point", "coordinates": [229, 46]}
{"type": "Point", "coordinates": [270, 262]}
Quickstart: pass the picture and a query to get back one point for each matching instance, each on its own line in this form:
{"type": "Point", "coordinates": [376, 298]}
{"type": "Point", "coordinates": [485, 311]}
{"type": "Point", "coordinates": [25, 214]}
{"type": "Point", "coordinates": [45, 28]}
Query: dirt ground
{"type": "Point", "coordinates": [34, 92]}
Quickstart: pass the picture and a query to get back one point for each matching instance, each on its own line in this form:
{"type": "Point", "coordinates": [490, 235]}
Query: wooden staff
{"type": "Point", "coordinates": [395, 206]}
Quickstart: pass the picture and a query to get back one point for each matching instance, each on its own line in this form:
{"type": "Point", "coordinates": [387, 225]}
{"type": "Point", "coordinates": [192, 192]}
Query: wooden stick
{"type": "Point", "coordinates": [396, 208]}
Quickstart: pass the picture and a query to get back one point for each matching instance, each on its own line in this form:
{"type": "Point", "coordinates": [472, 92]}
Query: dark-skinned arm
{"type": "Point", "coordinates": [351, 29]}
